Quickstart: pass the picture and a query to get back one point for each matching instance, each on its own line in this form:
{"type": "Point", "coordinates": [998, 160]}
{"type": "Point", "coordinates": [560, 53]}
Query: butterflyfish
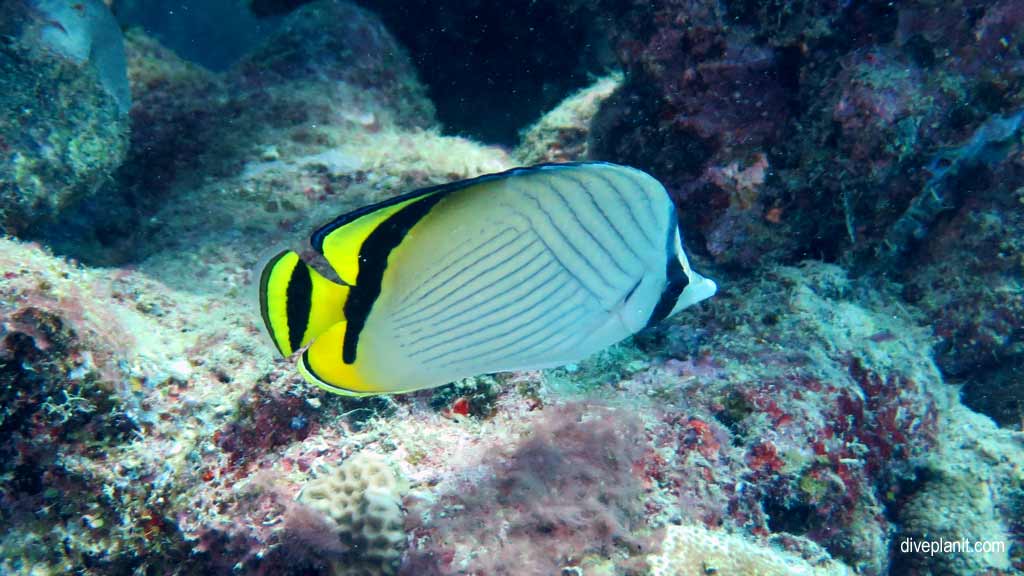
{"type": "Point", "coordinates": [531, 268]}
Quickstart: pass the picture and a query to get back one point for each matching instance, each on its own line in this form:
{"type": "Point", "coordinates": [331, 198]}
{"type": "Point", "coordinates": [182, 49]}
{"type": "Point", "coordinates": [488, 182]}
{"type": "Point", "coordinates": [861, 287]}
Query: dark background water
{"type": "Point", "coordinates": [491, 69]}
{"type": "Point", "coordinates": [214, 33]}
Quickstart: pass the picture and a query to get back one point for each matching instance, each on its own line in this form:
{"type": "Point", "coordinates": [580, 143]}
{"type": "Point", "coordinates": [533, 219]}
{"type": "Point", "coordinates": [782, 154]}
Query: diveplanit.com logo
{"type": "Point", "coordinates": [960, 546]}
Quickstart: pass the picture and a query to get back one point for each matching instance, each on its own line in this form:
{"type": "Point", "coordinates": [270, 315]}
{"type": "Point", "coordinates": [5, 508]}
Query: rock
{"type": "Point", "coordinates": [66, 97]}
{"type": "Point", "coordinates": [967, 274]}
{"type": "Point", "coordinates": [178, 115]}
{"type": "Point", "coordinates": [329, 54]}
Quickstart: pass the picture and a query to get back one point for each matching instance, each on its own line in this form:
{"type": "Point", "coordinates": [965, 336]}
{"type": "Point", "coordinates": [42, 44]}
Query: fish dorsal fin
{"type": "Point", "coordinates": [341, 240]}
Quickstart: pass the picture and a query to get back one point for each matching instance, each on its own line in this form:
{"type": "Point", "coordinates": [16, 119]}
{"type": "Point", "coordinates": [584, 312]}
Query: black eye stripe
{"type": "Point", "coordinates": [298, 302]}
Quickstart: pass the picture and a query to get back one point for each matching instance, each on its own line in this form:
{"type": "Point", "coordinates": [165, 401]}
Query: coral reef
{"type": "Point", "coordinates": [80, 354]}
{"type": "Point", "coordinates": [894, 149]}
{"type": "Point", "coordinates": [720, 91]}
{"type": "Point", "coordinates": [250, 123]}
{"type": "Point", "coordinates": [817, 429]}
{"type": "Point", "coordinates": [789, 428]}
{"type": "Point", "coordinates": [65, 99]}
{"type": "Point", "coordinates": [808, 419]}
{"type": "Point", "coordinates": [991, 143]}
{"type": "Point", "coordinates": [470, 397]}
{"type": "Point", "coordinates": [794, 430]}
{"type": "Point", "coordinates": [842, 104]}
{"type": "Point", "coordinates": [968, 270]}
{"type": "Point", "coordinates": [177, 124]}
{"type": "Point", "coordinates": [698, 94]}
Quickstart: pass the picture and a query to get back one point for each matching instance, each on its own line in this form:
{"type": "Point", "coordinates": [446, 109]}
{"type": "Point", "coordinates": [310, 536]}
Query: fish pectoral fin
{"type": "Point", "coordinates": [297, 302]}
{"type": "Point", "coordinates": [322, 364]}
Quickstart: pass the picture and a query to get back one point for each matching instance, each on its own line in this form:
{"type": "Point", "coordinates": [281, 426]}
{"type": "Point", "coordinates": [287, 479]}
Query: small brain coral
{"type": "Point", "coordinates": [362, 498]}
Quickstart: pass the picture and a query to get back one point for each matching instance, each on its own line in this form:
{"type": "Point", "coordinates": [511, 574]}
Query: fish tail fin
{"type": "Point", "coordinates": [297, 302]}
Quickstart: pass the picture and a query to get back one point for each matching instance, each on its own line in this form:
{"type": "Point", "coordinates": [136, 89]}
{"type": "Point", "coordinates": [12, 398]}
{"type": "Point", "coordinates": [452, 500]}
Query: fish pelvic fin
{"type": "Point", "coordinates": [297, 302]}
